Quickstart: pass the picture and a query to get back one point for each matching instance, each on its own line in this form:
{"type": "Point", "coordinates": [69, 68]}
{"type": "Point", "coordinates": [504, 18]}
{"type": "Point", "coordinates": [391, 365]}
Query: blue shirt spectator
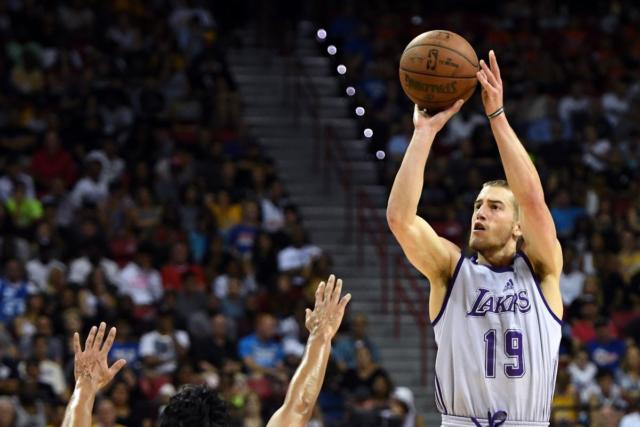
{"type": "Point", "coordinates": [606, 351]}
{"type": "Point", "coordinates": [14, 290]}
{"type": "Point", "coordinates": [262, 350]}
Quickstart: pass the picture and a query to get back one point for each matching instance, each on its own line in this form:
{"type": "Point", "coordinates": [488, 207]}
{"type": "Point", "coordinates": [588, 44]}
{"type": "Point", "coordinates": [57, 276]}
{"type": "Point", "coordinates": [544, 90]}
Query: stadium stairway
{"type": "Point", "coordinates": [285, 129]}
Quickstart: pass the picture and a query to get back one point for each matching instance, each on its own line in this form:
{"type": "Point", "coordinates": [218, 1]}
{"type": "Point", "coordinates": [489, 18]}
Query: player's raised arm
{"type": "Point", "coordinates": [322, 323]}
{"type": "Point", "coordinates": [538, 229]}
{"type": "Point", "coordinates": [428, 252]}
{"type": "Point", "coordinates": [92, 373]}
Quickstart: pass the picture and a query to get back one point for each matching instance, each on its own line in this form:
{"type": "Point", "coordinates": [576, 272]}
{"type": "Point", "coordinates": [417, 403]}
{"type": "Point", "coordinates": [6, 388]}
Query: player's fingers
{"type": "Point", "coordinates": [335, 298]}
{"type": "Point", "coordinates": [89, 342]}
{"type": "Point", "coordinates": [109, 341]}
{"type": "Point", "coordinates": [320, 293]}
{"type": "Point", "coordinates": [76, 343]}
{"type": "Point", "coordinates": [494, 65]}
{"type": "Point", "coordinates": [307, 314]}
{"type": "Point", "coordinates": [488, 73]}
{"type": "Point", "coordinates": [329, 289]}
{"type": "Point", "coordinates": [456, 107]}
{"type": "Point", "coordinates": [99, 337]}
{"type": "Point", "coordinates": [115, 368]}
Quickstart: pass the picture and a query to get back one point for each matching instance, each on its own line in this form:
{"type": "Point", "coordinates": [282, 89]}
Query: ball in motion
{"type": "Point", "coordinates": [437, 68]}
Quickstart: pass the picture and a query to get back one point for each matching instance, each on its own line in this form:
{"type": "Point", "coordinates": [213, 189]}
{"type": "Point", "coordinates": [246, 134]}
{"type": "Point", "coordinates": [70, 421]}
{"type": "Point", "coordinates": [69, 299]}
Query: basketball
{"type": "Point", "coordinates": [437, 68]}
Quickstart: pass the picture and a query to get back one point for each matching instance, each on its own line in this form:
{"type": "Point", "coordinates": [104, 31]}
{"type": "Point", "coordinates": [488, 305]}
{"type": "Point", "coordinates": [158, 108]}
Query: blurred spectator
{"type": "Point", "coordinates": [13, 174]}
{"type": "Point", "coordinates": [173, 272]}
{"type": "Point", "coordinates": [565, 402]}
{"type": "Point", "coordinates": [606, 351]}
{"type": "Point", "coordinates": [629, 374]}
{"type": "Point", "coordinates": [14, 291]}
{"type": "Point", "coordinates": [112, 166]}
{"type": "Point", "coordinates": [125, 345]}
{"type": "Point", "coordinates": [582, 371]}
{"type": "Point", "coordinates": [571, 278]}
{"type": "Point", "coordinates": [295, 259]}
{"type": "Point", "coordinates": [216, 350]}
{"type": "Point", "coordinates": [91, 188]}
{"type": "Point", "coordinates": [192, 301]}
{"type": "Point", "coordinates": [361, 379]}
{"type": "Point", "coordinates": [52, 161]}
{"type": "Point", "coordinates": [604, 393]}
{"type": "Point", "coordinates": [39, 267]}
{"type": "Point", "coordinates": [162, 348]}
{"type": "Point", "coordinates": [141, 281]}
{"type": "Point", "coordinates": [50, 372]}
{"type": "Point", "coordinates": [243, 235]}
{"type": "Point", "coordinates": [24, 210]}
{"type": "Point", "coordinates": [93, 258]}
{"type": "Point", "coordinates": [8, 416]}
{"type": "Point", "coordinates": [346, 346]}
{"type": "Point", "coordinates": [106, 414]}
{"type": "Point", "coordinates": [261, 352]}
{"type": "Point", "coordinates": [632, 418]}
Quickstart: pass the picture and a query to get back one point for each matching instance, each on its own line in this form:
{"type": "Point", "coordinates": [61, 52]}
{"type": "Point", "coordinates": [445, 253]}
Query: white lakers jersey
{"type": "Point", "coordinates": [498, 346]}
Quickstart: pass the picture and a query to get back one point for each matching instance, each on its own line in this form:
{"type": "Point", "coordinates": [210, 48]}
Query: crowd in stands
{"type": "Point", "coordinates": [571, 75]}
{"type": "Point", "coordinates": [131, 192]}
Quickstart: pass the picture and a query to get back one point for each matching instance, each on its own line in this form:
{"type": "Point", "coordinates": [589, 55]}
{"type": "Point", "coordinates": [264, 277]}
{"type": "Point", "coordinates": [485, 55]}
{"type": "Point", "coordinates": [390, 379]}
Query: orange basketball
{"type": "Point", "coordinates": [437, 68]}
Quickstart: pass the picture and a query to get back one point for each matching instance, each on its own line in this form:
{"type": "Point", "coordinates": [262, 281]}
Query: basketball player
{"type": "Point", "coordinates": [200, 405]}
{"type": "Point", "coordinates": [496, 316]}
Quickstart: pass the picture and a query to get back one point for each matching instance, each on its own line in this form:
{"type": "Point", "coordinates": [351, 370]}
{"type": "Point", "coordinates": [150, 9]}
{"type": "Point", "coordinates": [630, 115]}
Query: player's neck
{"type": "Point", "coordinates": [497, 258]}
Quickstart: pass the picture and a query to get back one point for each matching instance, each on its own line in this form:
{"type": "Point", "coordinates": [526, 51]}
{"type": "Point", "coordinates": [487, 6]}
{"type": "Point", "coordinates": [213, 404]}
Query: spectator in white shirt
{"type": "Point", "coordinates": [38, 268]}
{"type": "Point", "coordinates": [576, 102]}
{"type": "Point", "coordinates": [140, 280]}
{"type": "Point", "coordinates": [296, 258]}
{"type": "Point", "coordinates": [92, 188]}
{"type": "Point", "coordinates": [632, 419]}
{"type": "Point", "coordinates": [571, 279]}
{"type": "Point", "coordinates": [80, 268]}
{"type": "Point", "coordinates": [273, 208]}
{"type": "Point", "coordinates": [582, 371]}
{"type": "Point", "coordinates": [112, 165]}
{"type": "Point", "coordinates": [162, 348]}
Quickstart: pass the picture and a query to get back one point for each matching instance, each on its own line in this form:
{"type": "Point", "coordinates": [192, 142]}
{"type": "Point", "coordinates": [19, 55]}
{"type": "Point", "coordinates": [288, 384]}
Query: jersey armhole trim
{"type": "Point", "coordinates": [537, 280]}
{"type": "Point", "coordinates": [452, 282]}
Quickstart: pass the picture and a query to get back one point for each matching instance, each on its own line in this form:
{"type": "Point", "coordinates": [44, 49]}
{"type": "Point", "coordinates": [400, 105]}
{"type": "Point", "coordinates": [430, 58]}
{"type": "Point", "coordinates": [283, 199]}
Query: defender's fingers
{"type": "Point", "coordinates": [329, 289]}
{"type": "Point", "coordinates": [76, 343]}
{"type": "Point", "coordinates": [344, 301]}
{"type": "Point", "coordinates": [320, 293]}
{"type": "Point", "coordinates": [115, 368]}
{"type": "Point", "coordinates": [97, 343]}
{"type": "Point", "coordinates": [109, 341]}
{"type": "Point", "coordinates": [89, 342]}
{"type": "Point", "coordinates": [494, 65]}
{"type": "Point", "coordinates": [335, 298]}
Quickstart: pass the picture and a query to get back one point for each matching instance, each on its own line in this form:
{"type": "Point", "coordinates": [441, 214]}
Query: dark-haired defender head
{"type": "Point", "coordinates": [195, 405]}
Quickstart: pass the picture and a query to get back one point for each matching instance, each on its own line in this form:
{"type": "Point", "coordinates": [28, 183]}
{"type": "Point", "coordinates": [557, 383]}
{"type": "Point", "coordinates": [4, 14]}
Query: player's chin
{"type": "Point", "coordinates": [478, 244]}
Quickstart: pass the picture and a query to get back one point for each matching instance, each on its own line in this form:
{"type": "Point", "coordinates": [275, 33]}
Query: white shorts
{"type": "Point", "coordinates": [454, 421]}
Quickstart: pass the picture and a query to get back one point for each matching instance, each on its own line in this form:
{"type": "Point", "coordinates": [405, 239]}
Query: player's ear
{"type": "Point", "coordinates": [517, 230]}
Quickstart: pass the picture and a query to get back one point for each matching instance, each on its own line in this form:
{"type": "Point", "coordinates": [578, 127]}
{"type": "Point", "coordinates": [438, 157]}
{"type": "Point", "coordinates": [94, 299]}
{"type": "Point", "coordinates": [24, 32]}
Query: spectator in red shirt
{"type": "Point", "coordinates": [172, 273]}
{"type": "Point", "coordinates": [52, 161]}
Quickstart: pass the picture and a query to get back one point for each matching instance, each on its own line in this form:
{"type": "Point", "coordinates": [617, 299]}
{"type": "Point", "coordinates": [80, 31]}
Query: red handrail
{"type": "Point", "coordinates": [376, 229]}
{"type": "Point", "coordinates": [417, 307]}
{"type": "Point", "coordinates": [330, 157]}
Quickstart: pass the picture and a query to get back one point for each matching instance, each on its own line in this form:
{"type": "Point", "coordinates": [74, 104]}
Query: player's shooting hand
{"type": "Point", "coordinates": [327, 314]}
{"type": "Point", "coordinates": [90, 366]}
{"type": "Point", "coordinates": [489, 78]}
{"type": "Point", "coordinates": [422, 120]}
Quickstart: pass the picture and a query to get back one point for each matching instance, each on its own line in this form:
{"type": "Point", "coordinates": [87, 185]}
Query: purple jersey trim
{"type": "Point", "coordinates": [537, 280]}
{"type": "Point", "coordinates": [452, 282]}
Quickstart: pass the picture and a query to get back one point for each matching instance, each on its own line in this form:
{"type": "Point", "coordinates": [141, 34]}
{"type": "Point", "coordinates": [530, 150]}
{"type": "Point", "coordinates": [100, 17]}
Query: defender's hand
{"type": "Point", "coordinates": [90, 365]}
{"type": "Point", "coordinates": [327, 314]}
{"type": "Point", "coordinates": [422, 120]}
{"type": "Point", "coordinates": [489, 78]}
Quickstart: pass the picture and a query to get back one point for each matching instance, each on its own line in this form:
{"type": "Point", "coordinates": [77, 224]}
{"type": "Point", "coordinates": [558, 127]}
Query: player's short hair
{"type": "Point", "coordinates": [195, 405]}
{"type": "Point", "coordinates": [504, 184]}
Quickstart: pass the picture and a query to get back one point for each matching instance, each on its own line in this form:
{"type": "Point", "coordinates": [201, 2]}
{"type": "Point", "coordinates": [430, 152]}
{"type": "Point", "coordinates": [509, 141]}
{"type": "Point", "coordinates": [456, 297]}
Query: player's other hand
{"type": "Point", "coordinates": [489, 78]}
{"type": "Point", "coordinates": [423, 121]}
{"type": "Point", "coordinates": [90, 366]}
{"type": "Point", "coordinates": [326, 317]}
